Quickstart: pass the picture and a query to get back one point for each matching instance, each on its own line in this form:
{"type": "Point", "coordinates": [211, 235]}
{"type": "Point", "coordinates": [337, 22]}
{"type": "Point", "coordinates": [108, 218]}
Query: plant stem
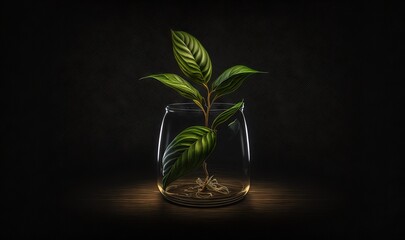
{"type": "Point", "coordinates": [206, 171]}
{"type": "Point", "coordinates": [206, 121]}
{"type": "Point", "coordinates": [207, 113]}
{"type": "Point", "coordinates": [207, 176]}
{"type": "Point", "coordinates": [204, 112]}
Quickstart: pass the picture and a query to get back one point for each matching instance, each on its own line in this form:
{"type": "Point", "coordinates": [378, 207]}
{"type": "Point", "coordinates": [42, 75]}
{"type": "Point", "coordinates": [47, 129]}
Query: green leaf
{"type": "Point", "coordinates": [231, 79]}
{"type": "Point", "coordinates": [186, 152]}
{"type": "Point", "coordinates": [225, 115]}
{"type": "Point", "coordinates": [191, 57]}
{"type": "Point", "coordinates": [177, 83]}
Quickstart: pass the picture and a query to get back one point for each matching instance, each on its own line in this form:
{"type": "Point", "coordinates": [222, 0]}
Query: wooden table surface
{"type": "Point", "coordinates": [128, 208]}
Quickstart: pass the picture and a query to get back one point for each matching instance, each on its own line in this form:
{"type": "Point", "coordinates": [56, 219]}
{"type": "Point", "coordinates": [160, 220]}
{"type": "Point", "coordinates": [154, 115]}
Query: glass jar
{"type": "Point", "coordinates": [228, 166]}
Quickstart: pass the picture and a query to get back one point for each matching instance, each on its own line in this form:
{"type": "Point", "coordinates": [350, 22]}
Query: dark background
{"type": "Point", "coordinates": [75, 110]}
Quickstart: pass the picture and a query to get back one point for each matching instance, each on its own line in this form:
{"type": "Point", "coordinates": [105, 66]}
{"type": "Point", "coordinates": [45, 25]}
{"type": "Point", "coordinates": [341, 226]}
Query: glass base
{"type": "Point", "coordinates": [189, 193]}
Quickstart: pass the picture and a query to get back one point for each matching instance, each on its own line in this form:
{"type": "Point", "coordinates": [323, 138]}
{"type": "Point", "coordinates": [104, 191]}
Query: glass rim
{"type": "Point", "coordinates": [192, 107]}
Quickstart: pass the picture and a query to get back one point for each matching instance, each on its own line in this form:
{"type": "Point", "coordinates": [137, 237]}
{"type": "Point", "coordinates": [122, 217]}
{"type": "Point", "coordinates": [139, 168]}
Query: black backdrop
{"type": "Point", "coordinates": [74, 106]}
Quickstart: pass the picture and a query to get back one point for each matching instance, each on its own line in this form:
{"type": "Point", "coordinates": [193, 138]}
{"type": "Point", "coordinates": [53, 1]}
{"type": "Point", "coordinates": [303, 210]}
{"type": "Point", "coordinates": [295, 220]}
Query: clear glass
{"type": "Point", "coordinates": [228, 165]}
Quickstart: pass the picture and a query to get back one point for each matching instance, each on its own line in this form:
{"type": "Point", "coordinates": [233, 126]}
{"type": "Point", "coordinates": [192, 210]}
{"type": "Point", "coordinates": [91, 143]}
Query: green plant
{"type": "Point", "coordinates": [191, 148]}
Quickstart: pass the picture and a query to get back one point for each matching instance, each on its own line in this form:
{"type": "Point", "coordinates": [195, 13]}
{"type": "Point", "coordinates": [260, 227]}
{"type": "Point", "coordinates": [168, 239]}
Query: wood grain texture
{"type": "Point", "coordinates": [268, 200]}
{"type": "Point", "coordinates": [129, 206]}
